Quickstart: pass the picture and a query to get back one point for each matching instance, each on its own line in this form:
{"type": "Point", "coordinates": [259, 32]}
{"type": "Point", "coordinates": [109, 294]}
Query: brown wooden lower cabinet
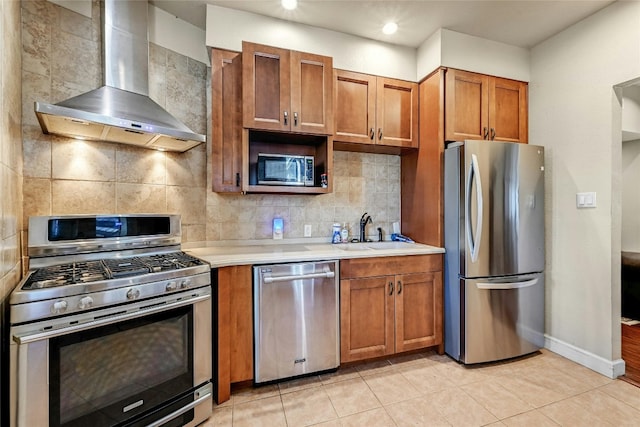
{"type": "Point", "coordinates": [389, 305]}
{"type": "Point", "coordinates": [631, 351]}
{"type": "Point", "coordinates": [235, 328]}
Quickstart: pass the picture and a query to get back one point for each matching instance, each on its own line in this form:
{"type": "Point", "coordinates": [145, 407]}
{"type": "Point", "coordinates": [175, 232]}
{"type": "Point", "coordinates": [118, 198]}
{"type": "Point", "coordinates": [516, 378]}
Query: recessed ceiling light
{"type": "Point", "coordinates": [389, 27]}
{"type": "Point", "coordinates": [290, 4]}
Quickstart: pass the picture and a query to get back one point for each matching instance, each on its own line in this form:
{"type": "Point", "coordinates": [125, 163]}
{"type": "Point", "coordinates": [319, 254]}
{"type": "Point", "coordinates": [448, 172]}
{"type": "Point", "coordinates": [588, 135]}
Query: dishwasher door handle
{"type": "Point", "coordinates": [323, 275]}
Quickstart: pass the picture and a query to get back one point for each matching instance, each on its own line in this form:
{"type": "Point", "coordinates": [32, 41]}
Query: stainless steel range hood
{"type": "Point", "coordinates": [120, 111]}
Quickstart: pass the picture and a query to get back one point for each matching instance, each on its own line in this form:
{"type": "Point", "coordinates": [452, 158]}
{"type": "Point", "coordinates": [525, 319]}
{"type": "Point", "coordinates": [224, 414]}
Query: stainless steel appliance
{"type": "Point", "coordinates": [296, 319]}
{"type": "Point", "coordinates": [285, 169]}
{"type": "Point", "coordinates": [121, 110]}
{"type": "Point", "coordinates": [494, 241]}
{"type": "Point", "coordinates": [111, 326]}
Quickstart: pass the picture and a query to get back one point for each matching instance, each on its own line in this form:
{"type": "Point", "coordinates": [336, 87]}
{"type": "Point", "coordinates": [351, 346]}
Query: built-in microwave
{"type": "Point", "coordinates": [285, 169]}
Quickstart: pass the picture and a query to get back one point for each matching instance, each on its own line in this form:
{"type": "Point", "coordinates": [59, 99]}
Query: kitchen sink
{"type": "Point", "coordinates": [364, 246]}
{"type": "Point", "coordinates": [354, 246]}
{"type": "Point", "coordinates": [388, 245]}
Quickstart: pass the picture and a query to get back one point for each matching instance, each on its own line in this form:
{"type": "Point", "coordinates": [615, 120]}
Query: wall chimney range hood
{"type": "Point", "coordinates": [121, 110]}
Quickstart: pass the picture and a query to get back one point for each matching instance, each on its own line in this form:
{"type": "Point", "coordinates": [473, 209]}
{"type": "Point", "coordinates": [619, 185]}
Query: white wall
{"type": "Point", "coordinates": [227, 28]}
{"type": "Point", "coordinates": [457, 50]}
{"type": "Point", "coordinates": [164, 30]}
{"type": "Point", "coordinates": [631, 112]}
{"type": "Point", "coordinates": [631, 196]}
{"type": "Point", "coordinates": [575, 113]}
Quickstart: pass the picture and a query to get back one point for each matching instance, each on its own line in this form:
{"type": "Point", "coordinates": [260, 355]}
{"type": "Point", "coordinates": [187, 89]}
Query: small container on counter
{"type": "Point", "coordinates": [344, 234]}
{"type": "Point", "coordinates": [336, 237]}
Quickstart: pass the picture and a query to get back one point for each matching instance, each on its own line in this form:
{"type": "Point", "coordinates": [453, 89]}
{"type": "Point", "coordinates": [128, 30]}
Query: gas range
{"type": "Point", "coordinates": [80, 263]}
{"type": "Point", "coordinates": [111, 326]}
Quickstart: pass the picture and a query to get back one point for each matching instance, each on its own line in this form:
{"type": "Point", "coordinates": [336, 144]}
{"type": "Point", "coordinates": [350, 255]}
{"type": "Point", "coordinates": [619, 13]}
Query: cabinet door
{"type": "Point", "coordinates": [235, 328]}
{"type": "Point", "coordinates": [396, 113]}
{"type": "Point", "coordinates": [418, 310]}
{"type": "Point", "coordinates": [311, 93]}
{"type": "Point", "coordinates": [226, 112]}
{"type": "Point", "coordinates": [366, 318]}
{"type": "Point", "coordinates": [508, 110]}
{"type": "Point", "coordinates": [355, 107]}
{"type": "Point", "coordinates": [266, 87]}
{"type": "Point", "coordinates": [466, 106]}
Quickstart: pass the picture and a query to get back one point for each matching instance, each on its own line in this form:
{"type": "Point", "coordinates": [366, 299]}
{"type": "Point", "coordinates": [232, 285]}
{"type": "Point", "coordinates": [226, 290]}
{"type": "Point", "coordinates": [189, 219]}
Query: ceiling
{"type": "Point", "coordinates": [515, 22]}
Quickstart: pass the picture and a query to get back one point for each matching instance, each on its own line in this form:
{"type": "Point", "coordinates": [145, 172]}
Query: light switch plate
{"type": "Point", "coordinates": [307, 230]}
{"type": "Point", "coordinates": [586, 200]}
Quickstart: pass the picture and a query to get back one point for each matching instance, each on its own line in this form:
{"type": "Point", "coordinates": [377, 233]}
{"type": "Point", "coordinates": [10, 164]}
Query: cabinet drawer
{"type": "Point", "coordinates": [381, 266]}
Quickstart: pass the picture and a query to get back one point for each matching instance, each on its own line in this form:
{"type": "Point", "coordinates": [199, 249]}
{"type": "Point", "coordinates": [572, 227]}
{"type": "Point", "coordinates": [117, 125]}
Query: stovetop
{"type": "Point", "coordinates": [106, 269]}
{"type": "Point", "coordinates": [83, 264]}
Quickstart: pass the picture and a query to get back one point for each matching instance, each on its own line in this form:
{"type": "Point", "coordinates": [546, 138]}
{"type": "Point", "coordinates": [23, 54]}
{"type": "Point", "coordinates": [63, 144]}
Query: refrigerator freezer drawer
{"type": "Point", "coordinates": [500, 318]}
{"type": "Point", "coordinates": [503, 318]}
{"type": "Point", "coordinates": [295, 319]}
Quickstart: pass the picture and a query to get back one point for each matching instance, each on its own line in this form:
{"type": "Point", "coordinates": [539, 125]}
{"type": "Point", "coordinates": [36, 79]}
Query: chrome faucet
{"type": "Point", "coordinates": [366, 219]}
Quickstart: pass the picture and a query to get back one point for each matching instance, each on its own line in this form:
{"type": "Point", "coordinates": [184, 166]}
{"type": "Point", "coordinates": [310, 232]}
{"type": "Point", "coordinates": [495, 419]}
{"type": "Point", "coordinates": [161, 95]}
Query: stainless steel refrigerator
{"type": "Point", "coordinates": [494, 241]}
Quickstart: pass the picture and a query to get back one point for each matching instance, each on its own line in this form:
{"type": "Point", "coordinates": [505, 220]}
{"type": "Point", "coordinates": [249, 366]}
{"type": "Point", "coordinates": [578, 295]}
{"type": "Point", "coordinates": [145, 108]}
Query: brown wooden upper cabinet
{"type": "Point", "coordinates": [478, 106]}
{"type": "Point", "coordinates": [226, 112]}
{"type": "Point", "coordinates": [375, 110]}
{"type": "Point", "coordinates": [286, 90]}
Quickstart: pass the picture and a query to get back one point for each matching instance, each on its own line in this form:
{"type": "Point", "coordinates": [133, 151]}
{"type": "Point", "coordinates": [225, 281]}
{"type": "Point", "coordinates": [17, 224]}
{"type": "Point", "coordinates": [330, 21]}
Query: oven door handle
{"type": "Point", "coordinates": [181, 411]}
{"type": "Point", "coordinates": [32, 337]}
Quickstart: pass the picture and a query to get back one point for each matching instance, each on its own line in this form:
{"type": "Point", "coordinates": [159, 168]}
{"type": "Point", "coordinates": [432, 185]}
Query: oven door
{"type": "Point", "coordinates": [138, 366]}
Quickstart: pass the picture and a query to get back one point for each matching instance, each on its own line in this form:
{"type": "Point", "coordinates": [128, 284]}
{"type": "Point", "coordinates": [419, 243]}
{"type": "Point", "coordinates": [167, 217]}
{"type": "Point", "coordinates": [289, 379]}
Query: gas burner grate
{"type": "Point", "coordinates": [66, 274]}
{"type": "Point", "coordinates": [125, 267]}
{"type": "Point", "coordinates": [109, 268]}
{"type": "Point", "coordinates": [170, 261]}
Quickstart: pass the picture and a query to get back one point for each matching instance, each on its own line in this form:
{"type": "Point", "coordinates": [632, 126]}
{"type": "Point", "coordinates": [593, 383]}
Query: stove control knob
{"type": "Point", "coordinates": [59, 307]}
{"type": "Point", "coordinates": [185, 284]}
{"type": "Point", "coordinates": [85, 302]}
{"type": "Point", "coordinates": [133, 293]}
{"type": "Point", "coordinates": [171, 286]}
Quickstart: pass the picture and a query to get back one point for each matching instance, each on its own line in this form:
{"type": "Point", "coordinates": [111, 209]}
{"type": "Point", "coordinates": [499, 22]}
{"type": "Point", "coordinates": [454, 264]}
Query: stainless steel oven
{"type": "Point", "coordinates": [105, 337]}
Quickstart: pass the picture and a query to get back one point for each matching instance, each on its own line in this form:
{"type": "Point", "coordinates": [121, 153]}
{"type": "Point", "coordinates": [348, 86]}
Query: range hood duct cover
{"type": "Point", "coordinates": [121, 110]}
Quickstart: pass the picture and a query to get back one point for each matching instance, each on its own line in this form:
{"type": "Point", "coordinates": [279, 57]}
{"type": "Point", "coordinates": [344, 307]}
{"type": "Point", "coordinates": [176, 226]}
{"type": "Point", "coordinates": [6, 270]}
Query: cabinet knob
{"type": "Point", "coordinates": [493, 133]}
{"type": "Point", "coordinates": [485, 132]}
{"type": "Point", "coordinates": [380, 134]}
{"type": "Point", "coordinates": [295, 118]}
{"type": "Point", "coordinates": [237, 179]}
{"type": "Point", "coordinates": [286, 118]}
{"type": "Point", "coordinates": [399, 287]}
{"type": "Point", "coordinates": [372, 134]}
{"type": "Point", "coordinates": [390, 288]}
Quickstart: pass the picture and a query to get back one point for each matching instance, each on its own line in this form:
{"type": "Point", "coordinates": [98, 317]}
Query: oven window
{"type": "Point", "coordinates": [104, 376]}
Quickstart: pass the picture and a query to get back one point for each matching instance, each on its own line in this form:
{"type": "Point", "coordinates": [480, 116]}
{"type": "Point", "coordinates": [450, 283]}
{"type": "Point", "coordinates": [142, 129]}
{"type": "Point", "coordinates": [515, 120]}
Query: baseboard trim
{"type": "Point", "coordinates": [608, 368]}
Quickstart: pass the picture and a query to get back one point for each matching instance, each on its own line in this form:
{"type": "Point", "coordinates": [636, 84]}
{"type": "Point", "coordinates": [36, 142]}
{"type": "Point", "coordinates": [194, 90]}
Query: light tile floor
{"type": "Point", "coordinates": [427, 389]}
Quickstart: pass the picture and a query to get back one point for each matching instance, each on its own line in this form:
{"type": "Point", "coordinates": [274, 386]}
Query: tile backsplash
{"type": "Point", "coordinates": [65, 176]}
{"type": "Point", "coordinates": [362, 183]}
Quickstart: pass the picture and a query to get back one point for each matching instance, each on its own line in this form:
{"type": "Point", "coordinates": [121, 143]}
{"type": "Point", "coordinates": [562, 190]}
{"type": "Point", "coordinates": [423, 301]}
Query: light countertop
{"type": "Point", "coordinates": [220, 254]}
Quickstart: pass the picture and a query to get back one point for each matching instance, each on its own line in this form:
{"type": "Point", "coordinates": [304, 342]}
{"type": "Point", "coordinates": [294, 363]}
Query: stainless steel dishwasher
{"type": "Point", "coordinates": [295, 319]}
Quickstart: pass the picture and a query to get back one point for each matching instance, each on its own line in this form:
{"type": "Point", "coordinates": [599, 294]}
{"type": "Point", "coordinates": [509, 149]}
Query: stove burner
{"type": "Point", "coordinates": [108, 268]}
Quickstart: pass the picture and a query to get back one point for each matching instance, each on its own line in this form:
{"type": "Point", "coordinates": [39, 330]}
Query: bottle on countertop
{"type": "Point", "coordinates": [344, 234]}
{"type": "Point", "coordinates": [336, 237]}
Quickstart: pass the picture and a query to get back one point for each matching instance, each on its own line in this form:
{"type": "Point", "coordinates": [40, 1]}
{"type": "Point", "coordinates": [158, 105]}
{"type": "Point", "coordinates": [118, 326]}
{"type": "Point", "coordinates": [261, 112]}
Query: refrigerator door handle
{"type": "Point", "coordinates": [474, 243]}
{"type": "Point", "coordinates": [511, 285]}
